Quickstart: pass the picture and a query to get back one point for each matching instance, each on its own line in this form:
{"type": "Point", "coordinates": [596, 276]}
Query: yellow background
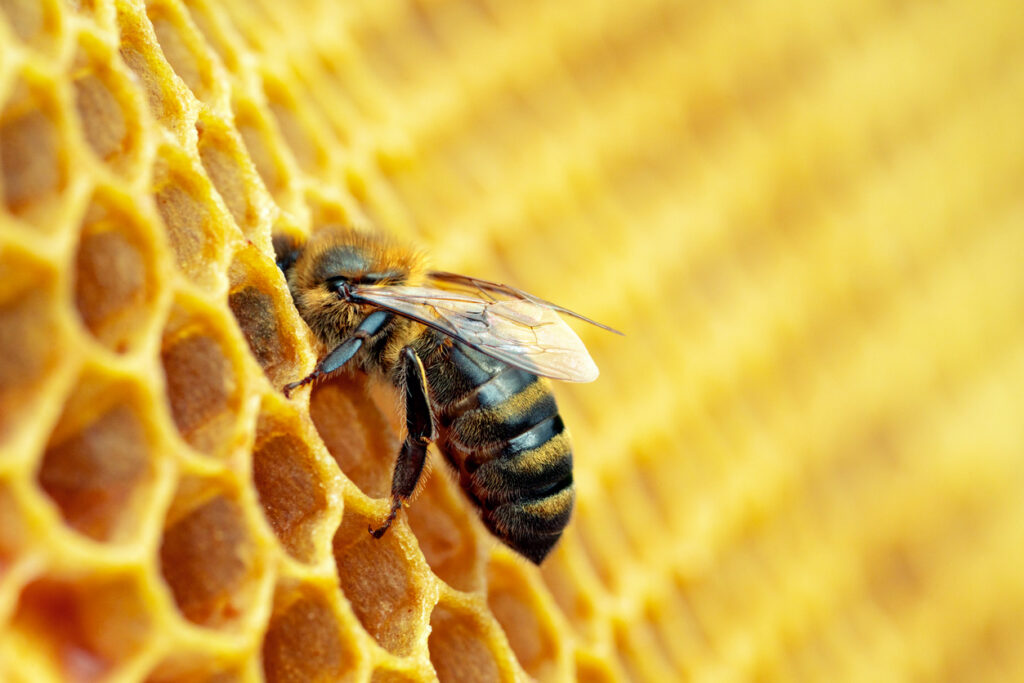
{"type": "Point", "coordinates": [804, 461]}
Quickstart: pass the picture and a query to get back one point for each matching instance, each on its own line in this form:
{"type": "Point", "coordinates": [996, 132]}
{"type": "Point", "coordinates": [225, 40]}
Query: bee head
{"type": "Point", "coordinates": [321, 272]}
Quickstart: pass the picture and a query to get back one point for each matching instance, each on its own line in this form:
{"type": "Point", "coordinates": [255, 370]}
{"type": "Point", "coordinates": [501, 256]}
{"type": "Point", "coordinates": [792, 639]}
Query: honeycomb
{"type": "Point", "coordinates": [803, 462]}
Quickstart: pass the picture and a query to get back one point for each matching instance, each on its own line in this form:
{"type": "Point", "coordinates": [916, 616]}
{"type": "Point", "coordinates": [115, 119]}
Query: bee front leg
{"type": "Point", "coordinates": [344, 352]}
{"type": "Point", "coordinates": [420, 430]}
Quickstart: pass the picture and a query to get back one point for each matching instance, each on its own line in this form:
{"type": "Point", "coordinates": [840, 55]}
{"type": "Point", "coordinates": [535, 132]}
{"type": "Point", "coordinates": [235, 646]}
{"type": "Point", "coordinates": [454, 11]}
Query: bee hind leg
{"type": "Point", "coordinates": [420, 429]}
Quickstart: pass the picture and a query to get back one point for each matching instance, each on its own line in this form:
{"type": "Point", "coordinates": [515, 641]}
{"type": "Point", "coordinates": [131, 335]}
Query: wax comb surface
{"type": "Point", "coordinates": [803, 461]}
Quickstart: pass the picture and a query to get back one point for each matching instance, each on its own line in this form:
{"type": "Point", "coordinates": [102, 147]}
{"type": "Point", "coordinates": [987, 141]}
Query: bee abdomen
{"type": "Point", "coordinates": [501, 429]}
{"type": "Point", "coordinates": [516, 474]}
{"type": "Point", "coordinates": [523, 483]}
{"type": "Point", "coordinates": [532, 527]}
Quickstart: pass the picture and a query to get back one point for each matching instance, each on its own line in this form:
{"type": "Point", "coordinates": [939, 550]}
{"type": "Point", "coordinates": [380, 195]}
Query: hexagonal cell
{"type": "Point", "coordinates": [260, 302]}
{"type": "Point", "coordinates": [565, 586]}
{"type": "Point", "coordinates": [327, 212]}
{"type": "Point", "coordinates": [382, 51]}
{"type": "Point", "coordinates": [290, 483]}
{"type": "Point", "coordinates": [637, 652]}
{"type": "Point", "coordinates": [87, 625]}
{"type": "Point", "coordinates": [36, 22]}
{"type": "Point", "coordinates": [361, 186]}
{"type": "Point", "coordinates": [361, 437]}
{"type": "Point", "coordinates": [306, 642]}
{"type": "Point", "coordinates": [33, 152]}
{"type": "Point", "coordinates": [140, 51]}
{"type": "Point", "coordinates": [359, 103]}
{"type": "Point", "coordinates": [30, 335]}
{"type": "Point", "coordinates": [106, 108]}
{"type": "Point", "coordinates": [230, 170]}
{"type": "Point", "coordinates": [99, 457]}
{"type": "Point", "coordinates": [682, 621]}
{"type": "Point", "coordinates": [248, 20]}
{"type": "Point", "coordinates": [259, 142]}
{"type": "Point", "coordinates": [636, 513]}
{"type": "Point", "coordinates": [657, 481]}
{"type": "Point", "coordinates": [294, 126]}
{"type": "Point", "coordinates": [523, 616]}
{"type": "Point", "coordinates": [212, 33]}
{"type": "Point", "coordinates": [207, 556]}
{"type": "Point", "coordinates": [678, 639]}
{"type": "Point", "coordinates": [389, 591]}
{"type": "Point", "coordinates": [253, 309]}
{"type": "Point", "coordinates": [603, 542]}
{"type": "Point", "coordinates": [182, 48]}
{"type": "Point", "coordinates": [115, 271]}
{"type": "Point", "coordinates": [332, 105]}
{"type": "Point", "coordinates": [184, 201]}
{"type": "Point", "coordinates": [202, 379]}
{"type": "Point", "coordinates": [442, 520]}
{"type": "Point", "coordinates": [462, 646]}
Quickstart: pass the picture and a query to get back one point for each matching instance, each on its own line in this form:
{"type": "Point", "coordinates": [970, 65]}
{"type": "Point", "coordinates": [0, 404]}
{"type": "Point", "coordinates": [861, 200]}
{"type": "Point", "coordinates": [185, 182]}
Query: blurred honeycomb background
{"type": "Point", "coordinates": [805, 461]}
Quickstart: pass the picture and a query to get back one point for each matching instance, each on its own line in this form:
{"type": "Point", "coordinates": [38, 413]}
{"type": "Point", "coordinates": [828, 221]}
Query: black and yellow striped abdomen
{"type": "Point", "coordinates": [499, 427]}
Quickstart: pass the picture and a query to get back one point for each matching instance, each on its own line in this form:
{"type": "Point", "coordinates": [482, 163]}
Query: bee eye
{"type": "Point", "coordinates": [377, 277]}
{"type": "Point", "coordinates": [338, 282]}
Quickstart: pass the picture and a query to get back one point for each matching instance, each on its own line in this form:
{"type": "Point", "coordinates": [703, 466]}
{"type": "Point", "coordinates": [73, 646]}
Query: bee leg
{"type": "Point", "coordinates": [420, 429]}
{"type": "Point", "coordinates": [344, 352]}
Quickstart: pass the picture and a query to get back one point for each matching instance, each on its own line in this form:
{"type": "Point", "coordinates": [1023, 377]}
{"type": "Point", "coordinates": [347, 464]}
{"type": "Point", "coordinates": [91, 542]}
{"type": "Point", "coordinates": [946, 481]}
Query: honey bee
{"type": "Point", "coordinates": [470, 357]}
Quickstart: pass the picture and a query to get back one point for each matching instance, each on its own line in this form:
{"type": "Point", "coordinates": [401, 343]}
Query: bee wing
{"type": "Point", "coordinates": [474, 284]}
{"type": "Point", "coordinates": [519, 332]}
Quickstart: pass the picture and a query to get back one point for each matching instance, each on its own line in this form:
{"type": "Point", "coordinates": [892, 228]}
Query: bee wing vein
{"type": "Point", "coordinates": [520, 332]}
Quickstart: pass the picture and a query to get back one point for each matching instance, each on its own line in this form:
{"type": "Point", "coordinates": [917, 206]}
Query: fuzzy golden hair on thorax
{"type": "Point", "coordinates": [356, 256]}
